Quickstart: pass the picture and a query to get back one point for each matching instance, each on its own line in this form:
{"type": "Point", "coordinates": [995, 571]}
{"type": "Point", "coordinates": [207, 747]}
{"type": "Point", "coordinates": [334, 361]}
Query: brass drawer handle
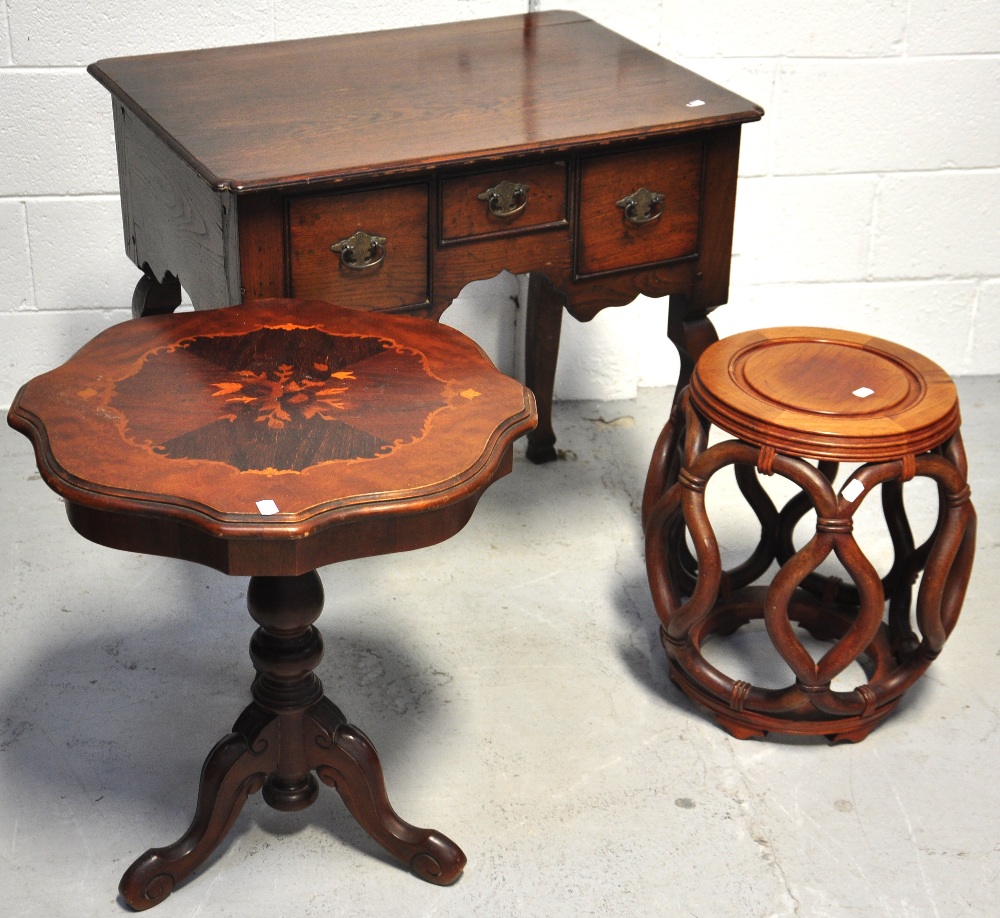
{"type": "Point", "coordinates": [642, 206]}
{"type": "Point", "coordinates": [360, 251]}
{"type": "Point", "coordinates": [505, 199]}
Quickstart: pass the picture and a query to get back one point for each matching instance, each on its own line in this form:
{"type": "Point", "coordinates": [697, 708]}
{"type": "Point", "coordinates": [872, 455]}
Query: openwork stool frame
{"type": "Point", "coordinates": [695, 597]}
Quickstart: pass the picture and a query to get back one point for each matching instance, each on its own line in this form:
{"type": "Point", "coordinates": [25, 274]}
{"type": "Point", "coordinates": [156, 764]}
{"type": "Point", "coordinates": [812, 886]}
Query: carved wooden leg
{"type": "Point", "coordinates": [691, 332]}
{"type": "Point", "coordinates": [544, 310]}
{"type": "Point", "coordinates": [289, 731]}
{"type": "Point", "coordinates": [345, 759]}
{"type": "Point", "coordinates": [153, 297]}
{"type": "Point", "coordinates": [235, 768]}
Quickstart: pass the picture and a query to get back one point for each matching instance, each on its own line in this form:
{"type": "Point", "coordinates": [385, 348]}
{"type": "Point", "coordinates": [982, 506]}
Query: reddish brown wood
{"type": "Point", "coordinates": [264, 262]}
{"type": "Point", "coordinates": [465, 214]}
{"type": "Point", "coordinates": [826, 394]}
{"type": "Point", "coordinates": [791, 394]}
{"type": "Point", "coordinates": [399, 215]}
{"type": "Point", "coordinates": [498, 86]}
{"type": "Point", "coordinates": [281, 400]}
{"type": "Point", "coordinates": [287, 736]}
{"type": "Point", "coordinates": [551, 98]}
{"type": "Point", "coordinates": [370, 434]}
{"type": "Point", "coordinates": [607, 239]}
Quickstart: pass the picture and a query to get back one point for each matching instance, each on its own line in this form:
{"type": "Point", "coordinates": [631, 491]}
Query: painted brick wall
{"type": "Point", "coordinates": [869, 194]}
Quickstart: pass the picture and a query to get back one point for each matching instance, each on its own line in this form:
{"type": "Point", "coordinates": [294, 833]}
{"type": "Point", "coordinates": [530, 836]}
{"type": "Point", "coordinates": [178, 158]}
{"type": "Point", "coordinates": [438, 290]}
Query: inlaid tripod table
{"type": "Point", "coordinates": [267, 440]}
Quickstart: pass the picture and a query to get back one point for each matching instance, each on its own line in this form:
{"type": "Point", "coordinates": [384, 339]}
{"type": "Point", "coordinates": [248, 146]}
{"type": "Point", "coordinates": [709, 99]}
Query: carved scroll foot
{"type": "Point", "coordinates": [287, 737]}
{"type": "Point", "coordinates": [233, 770]}
{"type": "Point", "coordinates": [345, 759]}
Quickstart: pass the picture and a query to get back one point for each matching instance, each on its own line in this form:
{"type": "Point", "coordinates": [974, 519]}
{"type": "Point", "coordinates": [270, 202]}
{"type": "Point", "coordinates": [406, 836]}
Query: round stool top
{"type": "Point", "coordinates": [819, 393]}
{"type": "Point", "coordinates": [273, 437]}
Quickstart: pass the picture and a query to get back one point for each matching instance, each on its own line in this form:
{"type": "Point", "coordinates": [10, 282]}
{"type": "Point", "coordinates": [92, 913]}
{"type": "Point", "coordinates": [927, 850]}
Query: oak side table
{"type": "Point", "coordinates": [267, 440]}
{"type": "Point", "coordinates": [385, 171]}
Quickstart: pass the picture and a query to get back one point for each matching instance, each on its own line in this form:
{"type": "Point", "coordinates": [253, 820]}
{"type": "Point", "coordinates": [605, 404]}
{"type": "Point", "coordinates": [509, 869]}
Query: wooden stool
{"type": "Point", "coordinates": [267, 440]}
{"type": "Point", "coordinates": [788, 395]}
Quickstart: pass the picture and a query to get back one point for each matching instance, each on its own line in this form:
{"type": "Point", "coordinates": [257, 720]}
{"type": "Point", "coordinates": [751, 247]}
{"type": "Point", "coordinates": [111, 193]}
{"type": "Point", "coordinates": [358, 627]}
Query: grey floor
{"type": "Point", "coordinates": [514, 685]}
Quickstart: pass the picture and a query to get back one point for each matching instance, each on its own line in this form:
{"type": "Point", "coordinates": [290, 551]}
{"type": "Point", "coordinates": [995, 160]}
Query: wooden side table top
{"type": "Point", "coordinates": [273, 437]}
{"type": "Point", "coordinates": [826, 394]}
{"type": "Point", "coordinates": [295, 113]}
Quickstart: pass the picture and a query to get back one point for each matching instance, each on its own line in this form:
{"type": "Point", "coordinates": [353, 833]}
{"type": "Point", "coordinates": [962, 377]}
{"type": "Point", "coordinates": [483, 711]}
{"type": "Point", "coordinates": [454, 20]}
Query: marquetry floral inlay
{"type": "Point", "coordinates": [279, 400]}
{"type": "Point", "coordinates": [274, 392]}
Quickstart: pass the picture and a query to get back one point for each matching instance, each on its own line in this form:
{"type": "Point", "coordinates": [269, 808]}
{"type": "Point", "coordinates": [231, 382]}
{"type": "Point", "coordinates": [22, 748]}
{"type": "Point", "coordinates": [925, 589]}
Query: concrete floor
{"type": "Point", "coordinates": [513, 683]}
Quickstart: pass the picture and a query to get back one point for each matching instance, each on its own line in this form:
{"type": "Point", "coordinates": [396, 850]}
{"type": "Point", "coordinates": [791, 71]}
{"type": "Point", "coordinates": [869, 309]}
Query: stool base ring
{"type": "Point", "coordinates": [791, 711]}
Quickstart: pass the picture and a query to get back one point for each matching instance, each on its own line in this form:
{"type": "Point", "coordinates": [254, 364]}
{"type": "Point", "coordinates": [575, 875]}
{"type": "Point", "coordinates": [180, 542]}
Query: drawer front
{"type": "Point", "coordinates": [502, 201]}
{"type": "Point", "coordinates": [639, 208]}
{"type": "Point", "coordinates": [363, 249]}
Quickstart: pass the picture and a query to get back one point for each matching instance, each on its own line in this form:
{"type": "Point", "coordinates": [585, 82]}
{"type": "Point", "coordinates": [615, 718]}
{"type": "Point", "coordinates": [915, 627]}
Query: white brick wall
{"type": "Point", "coordinates": [869, 195]}
{"type": "Point", "coordinates": [870, 192]}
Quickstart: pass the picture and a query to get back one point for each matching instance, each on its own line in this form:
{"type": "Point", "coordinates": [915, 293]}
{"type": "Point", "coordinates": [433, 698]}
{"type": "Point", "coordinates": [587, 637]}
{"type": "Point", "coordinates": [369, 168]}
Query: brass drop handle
{"type": "Point", "coordinates": [505, 199]}
{"type": "Point", "coordinates": [642, 206]}
{"type": "Point", "coordinates": [360, 250]}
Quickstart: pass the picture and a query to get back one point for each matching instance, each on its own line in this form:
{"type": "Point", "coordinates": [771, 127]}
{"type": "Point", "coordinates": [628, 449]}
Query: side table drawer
{"type": "Point", "coordinates": [503, 200]}
{"type": "Point", "coordinates": [363, 249]}
{"type": "Point", "coordinates": [639, 208]}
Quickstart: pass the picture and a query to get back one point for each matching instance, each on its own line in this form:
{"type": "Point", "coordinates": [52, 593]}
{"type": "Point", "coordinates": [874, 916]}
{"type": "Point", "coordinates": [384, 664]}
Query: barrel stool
{"type": "Point", "coordinates": [796, 403]}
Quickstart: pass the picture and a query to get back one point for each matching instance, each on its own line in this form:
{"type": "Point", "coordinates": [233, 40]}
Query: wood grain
{"type": "Point", "coordinates": [607, 240]}
{"type": "Point", "coordinates": [826, 394]}
{"type": "Point", "coordinates": [174, 222]}
{"type": "Point", "coordinates": [784, 396]}
{"type": "Point", "coordinates": [370, 434]}
{"type": "Point", "coordinates": [580, 114]}
{"type": "Point", "coordinates": [463, 214]}
{"type": "Point", "coordinates": [398, 214]}
{"type": "Point", "coordinates": [459, 92]}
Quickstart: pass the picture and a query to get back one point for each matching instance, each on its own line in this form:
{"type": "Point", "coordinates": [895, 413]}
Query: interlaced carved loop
{"type": "Point", "coordinates": [676, 642]}
{"type": "Point", "coordinates": [834, 524]}
{"type": "Point", "coordinates": [870, 699]}
{"type": "Point", "coordinates": [765, 460]}
{"type": "Point", "coordinates": [959, 497]}
{"type": "Point", "coordinates": [909, 467]}
{"type": "Point", "coordinates": [697, 596]}
{"type": "Point", "coordinates": [691, 482]}
{"type": "Point", "coordinates": [738, 696]}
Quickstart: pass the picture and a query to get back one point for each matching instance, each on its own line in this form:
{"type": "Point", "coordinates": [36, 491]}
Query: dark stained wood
{"type": "Point", "coordinates": [264, 260]}
{"type": "Point", "coordinates": [544, 327]}
{"type": "Point", "coordinates": [286, 737]}
{"type": "Point", "coordinates": [551, 98]}
{"type": "Point", "coordinates": [786, 394]}
{"type": "Point", "coordinates": [718, 206]}
{"type": "Point", "coordinates": [607, 241]}
{"type": "Point", "coordinates": [370, 434]}
{"type": "Point", "coordinates": [464, 213]}
{"type": "Point", "coordinates": [410, 98]}
{"type": "Point", "coordinates": [283, 400]}
{"type": "Point", "coordinates": [399, 215]}
{"type": "Point", "coordinates": [153, 297]}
